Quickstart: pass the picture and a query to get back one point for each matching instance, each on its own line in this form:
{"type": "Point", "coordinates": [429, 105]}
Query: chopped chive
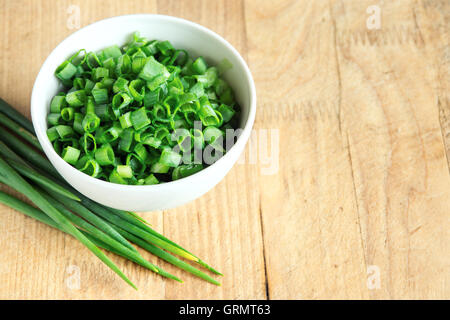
{"type": "Point", "coordinates": [67, 114]}
{"type": "Point", "coordinates": [124, 171]}
{"type": "Point", "coordinates": [100, 95]}
{"type": "Point", "coordinates": [135, 97]}
{"type": "Point", "coordinates": [76, 98]}
{"type": "Point", "coordinates": [70, 155]}
{"type": "Point", "coordinates": [139, 118]}
{"type": "Point", "coordinates": [199, 65]}
{"type": "Point", "coordinates": [105, 155]}
{"type": "Point", "coordinates": [14, 180]}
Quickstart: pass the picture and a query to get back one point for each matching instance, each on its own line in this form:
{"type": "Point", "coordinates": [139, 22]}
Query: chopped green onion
{"type": "Point", "coordinates": [126, 140]}
{"type": "Point", "coordinates": [165, 47]}
{"type": "Point", "coordinates": [153, 69]}
{"type": "Point", "coordinates": [67, 114]}
{"type": "Point", "coordinates": [54, 119]}
{"type": "Point", "coordinates": [92, 168]}
{"type": "Point", "coordinates": [208, 115]}
{"type": "Point", "coordinates": [139, 118]}
{"type": "Point", "coordinates": [197, 89]}
{"type": "Point", "coordinates": [58, 102]}
{"type": "Point", "coordinates": [76, 98]}
{"type": "Point", "coordinates": [78, 123]}
{"type": "Point", "coordinates": [124, 171]}
{"type": "Point", "coordinates": [112, 52]}
{"type": "Point", "coordinates": [65, 71]}
{"type": "Point", "coordinates": [151, 179]}
{"type": "Point", "coordinates": [199, 65]}
{"type": "Point", "coordinates": [226, 112]}
{"type": "Point", "coordinates": [115, 177]}
{"type": "Point", "coordinates": [159, 168]}
{"type": "Point", "coordinates": [151, 141]}
{"type": "Point", "coordinates": [138, 63]}
{"type": "Point", "coordinates": [224, 65]}
{"type": "Point", "coordinates": [100, 73]}
{"type": "Point", "coordinates": [136, 105]}
{"type": "Point", "coordinates": [186, 170]}
{"type": "Point", "coordinates": [170, 158]}
{"type": "Point", "coordinates": [121, 100]}
{"type": "Point", "coordinates": [104, 155]}
{"type": "Point", "coordinates": [123, 64]}
{"type": "Point", "coordinates": [70, 155]}
{"type": "Point", "coordinates": [90, 122]}
{"type": "Point", "coordinates": [125, 120]}
{"type": "Point", "coordinates": [137, 89]}
{"type": "Point", "coordinates": [64, 131]}
{"type": "Point", "coordinates": [100, 95]}
{"type": "Point", "coordinates": [52, 134]}
{"type": "Point", "coordinates": [141, 151]}
{"type": "Point", "coordinates": [110, 135]}
{"type": "Point", "coordinates": [120, 85]}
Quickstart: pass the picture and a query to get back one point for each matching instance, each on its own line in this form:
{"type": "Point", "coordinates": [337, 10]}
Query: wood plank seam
{"type": "Point", "coordinates": [352, 169]}
{"type": "Point", "coordinates": [266, 275]}
{"type": "Point", "coordinates": [442, 35]}
{"type": "Point", "coordinates": [444, 119]}
{"type": "Point", "coordinates": [338, 69]}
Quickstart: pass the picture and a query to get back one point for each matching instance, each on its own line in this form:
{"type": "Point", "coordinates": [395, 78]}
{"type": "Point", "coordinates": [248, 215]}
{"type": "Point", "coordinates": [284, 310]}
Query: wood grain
{"type": "Point", "coordinates": [362, 186]}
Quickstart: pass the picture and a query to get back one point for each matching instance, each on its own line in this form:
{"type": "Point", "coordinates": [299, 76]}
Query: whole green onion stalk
{"type": "Point", "coordinates": [10, 177]}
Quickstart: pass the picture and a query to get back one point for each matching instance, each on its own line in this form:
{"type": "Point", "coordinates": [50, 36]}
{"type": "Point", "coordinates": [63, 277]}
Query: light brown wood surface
{"type": "Point", "coordinates": [363, 188]}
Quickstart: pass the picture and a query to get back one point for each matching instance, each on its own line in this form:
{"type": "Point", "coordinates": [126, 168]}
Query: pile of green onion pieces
{"type": "Point", "coordinates": [117, 117]}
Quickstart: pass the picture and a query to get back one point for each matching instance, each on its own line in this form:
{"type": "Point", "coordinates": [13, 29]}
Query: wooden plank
{"type": "Point", "coordinates": [434, 22]}
{"type": "Point", "coordinates": [398, 160]}
{"type": "Point", "coordinates": [311, 231]}
{"type": "Point", "coordinates": [351, 112]}
{"type": "Point", "coordinates": [225, 221]}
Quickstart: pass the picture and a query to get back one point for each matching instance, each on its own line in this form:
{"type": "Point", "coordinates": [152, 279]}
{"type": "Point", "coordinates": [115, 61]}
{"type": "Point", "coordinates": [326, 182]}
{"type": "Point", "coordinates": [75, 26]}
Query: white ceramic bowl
{"type": "Point", "coordinates": [197, 40]}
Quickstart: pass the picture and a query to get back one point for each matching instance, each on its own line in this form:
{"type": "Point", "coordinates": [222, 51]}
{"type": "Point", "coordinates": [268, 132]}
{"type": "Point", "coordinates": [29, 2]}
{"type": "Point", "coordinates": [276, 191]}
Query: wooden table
{"type": "Point", "coordinates": [358, 203]}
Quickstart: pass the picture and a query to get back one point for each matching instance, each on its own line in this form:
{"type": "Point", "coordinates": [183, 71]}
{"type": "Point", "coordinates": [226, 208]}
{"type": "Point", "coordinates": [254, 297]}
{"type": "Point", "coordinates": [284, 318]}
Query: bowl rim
{"type": "Point", "coordinates": [241, 141]}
